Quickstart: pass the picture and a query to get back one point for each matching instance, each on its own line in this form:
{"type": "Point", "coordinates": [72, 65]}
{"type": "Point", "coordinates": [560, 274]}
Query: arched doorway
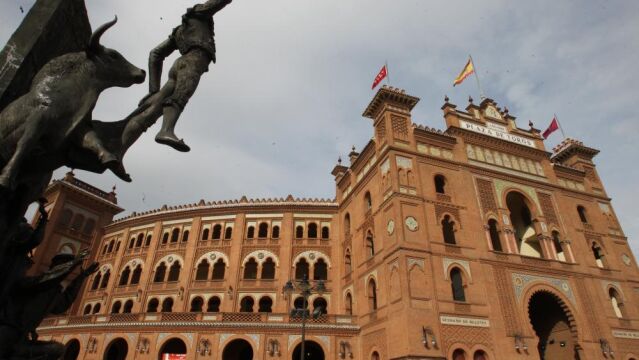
{"type": "Point", "coordinates": [174, 349]}
{"type": "Point", "coordinates": [117, 350]}
{"type": "Point", "coordinates": [312, 349]}
{"type": "Point", "coordinates": [521, 219]}
{"type": "Point", "coordinates": [238, 349]}
{"type": "Point", "coordinates": [552, 326]}
{"type": "Point", "coordinates": [71, 350]}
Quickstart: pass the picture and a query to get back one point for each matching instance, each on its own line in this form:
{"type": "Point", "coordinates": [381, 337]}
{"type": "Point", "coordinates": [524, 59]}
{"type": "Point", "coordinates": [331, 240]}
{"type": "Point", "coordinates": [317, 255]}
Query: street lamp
{"type": "Point", "coordinates": [305, 289]}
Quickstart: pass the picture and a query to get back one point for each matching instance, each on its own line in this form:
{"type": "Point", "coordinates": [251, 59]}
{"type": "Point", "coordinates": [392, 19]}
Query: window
{"type": "Point", "coordinates": [106, 248]}
{"type": "Point", "coordinates": [139, 241]}
{"type": "Point", "coordinates": [217, 231]}
{"type": "Point", "coordinates": [480, 355]}
{"type": "Point", "coordinates": [87, 310]}
{"type": "Point", "coordinates": [299, 231]}
{"type": "Point", "coordinates": [202, 272]}
{"type": "Point", "coordinates": [165, 238]}
{"type": "Point", "coordinates": [96, 281]}
{"type": "Point", "coordinates": [128, 307]}
{"type": "Point", "coordinates": [148, 240]}
{"type": "Point", "coordinates": [448, 229]}
{"type": "Point", "coordinates": [348, 304]}
{"type": "Point", "coordinates": [320, 305]}
{"type": "Point", "coordinates": [77, 222]}
{"type": "Point", "coordinates": [494, 235]}
{"type": "Point", "coordinates": [582, 214]}
{"type": "Point", "coordinates": [65, 217]}
{"type": "Point", "coordinates": [370, 245]}
{"type": "Point", "coordinates": [301, 269]}
{"type": "Point", "coordinates": [268, 269]}
{"type": "Point", "coordinates": [598, 254]}
{"type": "Point", "coordinates": [250, 233]}
{"type": "Point", "coordinates": [124, 277]}
{"type": "Point", "coordinates": [372, 295]}
{"type": "Point", "coordinates": [175, 235]}
{"type": "Point", "coordinates": [348, 267]}
{"type": "Point", "coordinates": [522, 221]}
{"type": "Point", "coordinates": [115, 309]}
{"type": "Point", "coordinates": [312, 231]}
{"type": "Point", "coordinates": [89, 226]}
{"type": "Point", "coordinates": [617, 304]}
{"type": "Point", "coordinates": [105, 279]}
{"type": "Point", "coordinates": [205, 234]}
{"type": "Point", "coordinates": [459, 354]}
{"type": "Point", "coordinates": [137, 273]}
{"type": "Point", "coordinates": [117, 246]}
{"type": "Point", "coordinates": [375, 356]}
{"type": "Point", "coordinates": [299, 303]}
{"type": "Point", "coordinates": [196, 304]}
{"type": "Point", "coordinates": [457, 285]}
{"type": "Point", "coordinates": [185, 236]}
{"type": "Point", "coordinates": [96, 308]}
{"type": "Point", "coordinates": [557, 245]}
{"type": "Point", "coordinates": [111, 246]}
{"type": "Point", "coordinates": [174, 272]}
{"type": "Point", "coordinates": [218, 270]}
{"type": "Point", "coordinates": [152, 306]}
{"type": "Point", "coordinates": [368, 202]}
{"type": "Point", "coordinates": [325, 232]}
{"type": "Point", "coordinates": [262, 231]}
{"type": "Point", "coordinates": [347, 224]}
{"type": "Point", "coordinates": [228, 233]}
{"type": "Point", "coordinates": [250, 269]}
{"type": "Point", "coordinates": [246, 305]}
{"type": "Point", "coordinates": [132, 243]}
{"type": "Point", "coordinates": [160, 273]}
{"type": "Point", "coordinates": [265, 305]}
{"type": "Point", "coordinates": [167, 305]}
{"type": "Point", "coordinates": [440, 184]}
{"type": "Point", "coordinates": [213, 305]}
{"type": "Point", "coordinates": [276, 232]}
{"type": "Point", "coordinates": [320, 271]}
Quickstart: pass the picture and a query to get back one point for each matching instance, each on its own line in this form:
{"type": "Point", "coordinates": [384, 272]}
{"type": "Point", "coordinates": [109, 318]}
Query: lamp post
{"type": "Point", "coordinates": [305, 289]}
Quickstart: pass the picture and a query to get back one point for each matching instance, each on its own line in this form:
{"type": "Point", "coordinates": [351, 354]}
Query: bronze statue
{"type": "Point", "coordinates": [194, 39]}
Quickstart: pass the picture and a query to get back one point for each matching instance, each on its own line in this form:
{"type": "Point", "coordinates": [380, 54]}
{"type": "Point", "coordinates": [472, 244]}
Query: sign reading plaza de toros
{"type": "Point", "coordinates": [496, 131]}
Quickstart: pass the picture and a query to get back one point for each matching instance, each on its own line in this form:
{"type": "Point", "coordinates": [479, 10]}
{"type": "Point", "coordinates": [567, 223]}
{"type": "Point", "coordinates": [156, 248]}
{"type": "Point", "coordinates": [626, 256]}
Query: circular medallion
{"type": "Point", "coordinates": [260, 256]}
{"type": "Point", "coordinates": [104, 268]}
{"type": "Point", "coordinates": [170, 259]}
{"type": "Point", "coordinates": [311, 256]}
{"type": "Point", "coordinates": [212, 256]}
{"type": "Point", "coordinates": [626, 259]}
{"type": "Point", "coordinates": [565, 287]}
{"type": "Point", "coordinates": [411, 223]}
{"type": "Point", "coordinates": [134, 263]}
{"type": "Point", "coordinates": [390, 227]}
{"type": "Point", "coordinates": [519, 281]}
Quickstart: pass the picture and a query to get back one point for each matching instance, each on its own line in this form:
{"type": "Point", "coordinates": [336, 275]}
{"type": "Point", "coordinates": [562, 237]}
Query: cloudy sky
{"type": "Point", "coordinates": [293, 77]}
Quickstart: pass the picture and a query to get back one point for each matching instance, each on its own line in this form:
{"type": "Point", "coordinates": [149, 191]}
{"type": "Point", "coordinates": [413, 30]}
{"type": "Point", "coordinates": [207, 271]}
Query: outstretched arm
{"type": "Point", "coordinates": [210, 7]}
{"type": "Point", "coordinates": [156, 59]}
{"type": "Point", "coordinates": [66, 299]}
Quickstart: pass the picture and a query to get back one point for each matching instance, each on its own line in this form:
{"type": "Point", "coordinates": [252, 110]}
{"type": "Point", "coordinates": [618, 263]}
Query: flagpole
{"type": "Point", "coordinates": [481, 92]}
{"type": "Point", "coordinates": [560, 128]}
{"type": "Point", "coordinates": [387, 73]}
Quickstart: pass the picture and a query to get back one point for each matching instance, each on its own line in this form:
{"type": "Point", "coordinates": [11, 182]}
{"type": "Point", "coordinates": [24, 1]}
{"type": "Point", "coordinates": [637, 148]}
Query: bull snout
{"type": "Point", "coordinates": [139, 76]}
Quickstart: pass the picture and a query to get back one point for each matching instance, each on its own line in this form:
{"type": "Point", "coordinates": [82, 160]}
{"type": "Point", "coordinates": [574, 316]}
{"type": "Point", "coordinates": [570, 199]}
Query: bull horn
{"type": "Point", "coordinates": [94, 42]}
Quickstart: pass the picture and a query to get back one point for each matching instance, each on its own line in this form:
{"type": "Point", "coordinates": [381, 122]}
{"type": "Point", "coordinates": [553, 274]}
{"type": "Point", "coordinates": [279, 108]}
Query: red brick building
{"type": "Point", "coordinates": [469, 243]}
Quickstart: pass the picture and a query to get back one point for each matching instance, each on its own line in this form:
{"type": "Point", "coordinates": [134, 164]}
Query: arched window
{"type": "Point", "coordinates": [105, 279]}
{"type": "Point", "coordinates": [348, 304]}
{"type": "Point", "coordinates": [459, 354]}
{"type": "Point", "coordinates": [275, 232]}
{"type": "Point", "coordinates": [457, 285]}
{"type": "Point", "coordinates": [246, 305]}
{"type": "Point", "coordinates": [152, 306]}
{"type": "Point", "coordinates": [65, 217]}
{"type": "Point", "coordinates": [175, 235]}
{"type": "Point", "coordinates": [325, 232]}
{"type": "Point", "coordinates": [217, 231]}
{"type": "Point", "coordinates": [372, 295]}
{"type": "Point", "coordinates": [480, 355]}
{"type": "Point", "coordinates": [250, 233]}
{"type": "Point", "coordinates": [617, 304]}
{"type": "Point", "coordinates": [111, 243]}
{"type": "Point", "coordinates": [139, 241]}
{"type": "Point", "coordinates": [160, 273]}
{"type": "Point", "coordinates": [448, 229]}
{"type": "Point", "coordinates": [202, 272]}
{"type": "Point", "coordinates": [348, 267]}
{"type": "Point", "coordinates": [312, 230]}
{"type": "Point", "coordinates": [77, 222]}
{"type": "Point", "coordinates": [262, 231]}
{"type": "Point", "coordinates": [96, 281]}
{"type": "Point", "coordinates": [368, 202]}
{"type": "Point", "coordinates": [268, 269]}
{"type": "Point", "coordinates": [96, 308]}
{"type": "Point", "coordinates": [148, 240]}
{"type": "Point", "coordinates": [106, 248]}
{"type": "Point", "coordinates": [494, 235]}
{"type": "Point", "coordinates": [228, 233]}
{"type": "Point", "coordinates": [347, 224]}
{"type": "Point", "coordinates": [598, 254]}
{"type": "Point", "coordinates": [370, 245]}
{"type": "Point", "coordinates": [132, 243]}
{"type": "Point", "coordinates": [115, 308]}
{"type": "Point", "coordinates": [557, 245]}
{"type": "Point", "coordinates": [89, 226]}
{"type": "Point", "coordinates": [128, 307]}
{"type": "Point", "coordinates": [299, 231]}
{"type": "Point", "coordinates": [320, 271]}
{"type": "Point", "coordinates": [265, 305]}
{"type": "Point", "coordinates": [167, 305]}
{"type": "Point", "coordinates": [320, 303]}
{"type": "Point", "coordinates": [124, 277]}
{"type": "Point", "coordinates": [521, 220]}
{"type": "Point", "coordinates": [250, 269]}
{"type": "Point", "coordinates": [440, 184]}
{"type": "Point", "coordinates": [301, 269]}
{"type": "Point", "coordinates": [299, 303]}
{"type": "Point", "coordinates": [117, 246]}
{"type": "Point", "coordinates": [213, 305]}
{"type": "Point", "coordinates": [165, 238]}
{"type": "Point", "coordinates": [87, 310]}
{"type": "Point", "coordinates": [218, 270]}
{"type": "Point", "coordinates": [582, 214]}
{"type": "Point", "coordinates": [174, 272]}
{"type": "Point", "coordinates": [137, 273]}
{"type": "Point", "coordinates": [185, 236]}
{"type": "Point", "coordinates": [196, 304]}
{"type": "Point", "coordinates": [375, 356]}
{"type": "Point", "coordinates": [205, 234]}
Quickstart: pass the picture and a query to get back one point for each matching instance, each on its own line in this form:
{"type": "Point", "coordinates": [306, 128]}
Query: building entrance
{"type": "Point", "coordinates": [238, 349]}
{"type": "Point", "coordinates": [174, 349]}
{"type": "Point", "coordinates": [117, 350]}
{"type": "Point", "coordinates": [312, 349]}
{"type": "Point", "coordinates": [71, 350]}
{"type": "Point", "coordinates": [550, 322]}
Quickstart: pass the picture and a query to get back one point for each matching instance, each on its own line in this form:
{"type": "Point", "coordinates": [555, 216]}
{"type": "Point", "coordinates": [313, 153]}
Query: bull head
{"type": "Point", "coordinates": [94, 42]}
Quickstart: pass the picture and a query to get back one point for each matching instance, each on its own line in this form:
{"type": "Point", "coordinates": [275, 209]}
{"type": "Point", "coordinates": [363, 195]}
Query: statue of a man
{"type": "Point", "coordinates": [195, 41]}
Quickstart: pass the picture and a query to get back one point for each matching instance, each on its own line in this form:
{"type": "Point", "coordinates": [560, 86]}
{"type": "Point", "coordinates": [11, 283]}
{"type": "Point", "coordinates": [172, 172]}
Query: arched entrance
{"type": "Point", "coordinates": [238, 349]}
{"type": "Point", "coordinates": [552, 326]}
{"type": "Point", "coordinates": [117, 350]}
{"type": "Point", "coordinates": [312, 349]}
{"type": "Point", "coordinates": [173, 349]}
{"type": "Point", "coordinates": [71, 350]}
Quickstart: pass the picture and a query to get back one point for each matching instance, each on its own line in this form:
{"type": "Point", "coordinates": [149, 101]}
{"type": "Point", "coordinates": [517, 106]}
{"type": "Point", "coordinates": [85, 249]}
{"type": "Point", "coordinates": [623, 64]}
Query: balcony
{"type": "Point", "coordinates": [121, 289]}
{"type": "Point", "coordinates": [207, 284]}
{"type": "Point", "coordinates": [258, 283]}
{"type": "Point", "coordinates": [164, 286]}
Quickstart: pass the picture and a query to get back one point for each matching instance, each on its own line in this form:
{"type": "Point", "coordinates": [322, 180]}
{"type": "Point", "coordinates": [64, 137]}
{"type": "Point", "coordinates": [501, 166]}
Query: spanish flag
{"type": "Point", "coordinates": [469, 69]}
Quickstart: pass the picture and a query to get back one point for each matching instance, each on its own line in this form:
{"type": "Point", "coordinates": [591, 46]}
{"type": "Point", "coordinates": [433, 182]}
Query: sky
{"type": "Point", "coordinates": [293, 77]}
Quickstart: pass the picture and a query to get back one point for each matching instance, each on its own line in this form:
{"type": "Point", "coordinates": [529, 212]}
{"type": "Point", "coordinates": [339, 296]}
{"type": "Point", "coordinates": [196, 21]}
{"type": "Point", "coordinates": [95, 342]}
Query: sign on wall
{"type": "Point", "coordinates": [496, 131]}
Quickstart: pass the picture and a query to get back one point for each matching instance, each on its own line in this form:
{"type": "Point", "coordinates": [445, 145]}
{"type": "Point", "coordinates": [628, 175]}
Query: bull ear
{"type": "Point", "coordinates": [94, 43]}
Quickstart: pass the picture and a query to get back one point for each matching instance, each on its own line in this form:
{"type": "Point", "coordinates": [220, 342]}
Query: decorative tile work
{"type": "Point", "coordinates": [463, 263]}
{"type": "Point", "coordinates": [547, 208]}
{"type": "Point", "coordinates": [440, 210]}
{"type": "Point", "coordinates": [415, 261]}
{"type": "Point", "coordinates": [501, 185]}
{"type": "Point", "coordinates": [325, 339]}
{"type": "Point", "coordinates": [584, 298]}
{"type": "Point", "coordinates": [224, 337]}
{"type": "Point", "coordinates": [469, 336]}
{"type": "Point", "coordinates": [506, 301]}
{"type": "Point", "coordinates": [486, 196]}
{"type": "Point", "coordinates": [255, 338]}
{"type": "Point", "coordinates": [403, 162]}
{"type": "Point", "coordinates": [521, 281]}
{"type": "Point", "coordinates": [189, 336]}
{"type": "Point", "coordinates": [372, 274]}
{"type": "Point", "coordinates": [400, 127]}
{"type": "Point", "coordinates": [292, 339]}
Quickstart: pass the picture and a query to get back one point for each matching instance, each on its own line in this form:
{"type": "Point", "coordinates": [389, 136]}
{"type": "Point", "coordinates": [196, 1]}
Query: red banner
{"type": "Point", "coordinates": [554, 125]}
{"type": "Point", "coordinates": [173, 356]}
{"type": "Point", "coordinates": [382, 74]}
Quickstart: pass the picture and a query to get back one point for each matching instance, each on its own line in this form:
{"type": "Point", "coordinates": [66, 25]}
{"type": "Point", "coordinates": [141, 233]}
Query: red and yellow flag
{"type": "Point", "coordinates": [469, 69]}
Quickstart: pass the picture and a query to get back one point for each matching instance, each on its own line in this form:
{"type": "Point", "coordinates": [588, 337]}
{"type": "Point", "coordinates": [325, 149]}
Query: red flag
{"type": "Point", "coordinates": [382, 74]}
{"type": "Point", "coordinates": [554, 125]}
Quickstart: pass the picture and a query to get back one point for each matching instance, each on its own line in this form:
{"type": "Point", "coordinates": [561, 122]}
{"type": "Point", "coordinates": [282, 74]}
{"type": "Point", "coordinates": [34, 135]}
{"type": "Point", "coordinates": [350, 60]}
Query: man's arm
{"type": "Point", "coordinates": [210, 7]}
{"type": "Point", "coordinates": [156, 59]}
{"type": "Point", "coordinates": [64, 302]}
